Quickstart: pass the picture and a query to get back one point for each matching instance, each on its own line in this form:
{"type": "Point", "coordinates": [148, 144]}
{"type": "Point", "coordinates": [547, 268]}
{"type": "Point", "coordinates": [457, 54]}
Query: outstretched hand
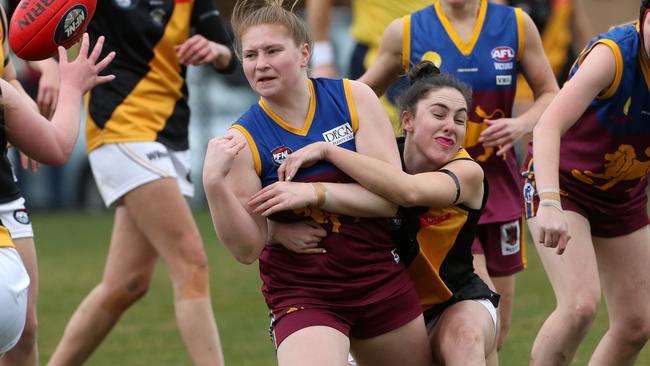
{"type": "Point", "coordinates": [83, 72]}
{"type": "Point", "coordinates": [305, 157]}
{"type": "Point", "coordinates": [220, 156]}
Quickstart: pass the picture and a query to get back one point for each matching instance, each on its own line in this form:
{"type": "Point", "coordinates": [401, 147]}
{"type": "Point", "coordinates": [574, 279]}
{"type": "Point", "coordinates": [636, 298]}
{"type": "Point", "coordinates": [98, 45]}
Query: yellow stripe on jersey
{"type": "Point", "coordinates": [257, 161]}
{"type": "Point", "coordinates": [354, 118]}
{"type": "Point", "coordinates": [465, 48]}
{"type": "Point", "coordinates": [5, 238]}
{"type": "Point", "coordinates": [310, 114]}
{"type": "Point", "coordinates": [145, 111]}
{"type": "Point", "coordinates": [436, 240]}
{"type": "Point", "coordinates": [520, 33]}
{"type": "Point", "coordinates": [619, 66]}
{"type": "Point", "coordinates": [406, 44]}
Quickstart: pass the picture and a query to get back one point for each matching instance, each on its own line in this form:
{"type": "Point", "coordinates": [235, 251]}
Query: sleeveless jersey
{"type": "Point", "coordinates": [488, 63]}
{"type": "Point", "coordinates": [436, 244]}
{"type": "Point", "coordinates": [606, 153]}
{"type": "Point", "coordinates": [371, 17]}
{"type": "Point", "coordinates": [360, 266]}
{"type": "Point", "coordinates": [147, 101]}
{"type": "Point", "coordinates": [9, 190]}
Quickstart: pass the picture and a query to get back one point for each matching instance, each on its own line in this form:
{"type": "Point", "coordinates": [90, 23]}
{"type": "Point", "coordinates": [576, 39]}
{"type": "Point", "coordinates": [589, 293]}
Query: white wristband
{"type": "Point", "coordinates": [552, 203]}
{"type": "Point", "coordinates": [548, 190]}
{"type": "Point", "coordinates": [323, 54]}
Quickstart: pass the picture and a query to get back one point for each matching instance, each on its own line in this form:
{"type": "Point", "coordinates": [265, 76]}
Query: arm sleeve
{"type": "Point", "coordinates": [208, 22]}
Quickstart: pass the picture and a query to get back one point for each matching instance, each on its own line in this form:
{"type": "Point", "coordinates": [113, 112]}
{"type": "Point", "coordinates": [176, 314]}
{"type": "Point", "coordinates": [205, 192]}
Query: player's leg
{"type": "Point", "coordinates": [25, 351]}
{"type": "Point", "coordinates": [163, 216]}
{"type": "Point", "coordinates": [129, 266]}
{"type": "Point", "coordinates": [316, 345]}
{"type": "Point", "coordinates": [574, 278]}
{"type": "Point", "coordinates": [13, 298]}
{"type": "Point", "coordinates": [623, 264]}
{"type": "Point", "coordinates": [16, 219]}
{"type": "Point", "coordinates": [406, 345]}
{"type": "Point", "coordinates": [465, 333]}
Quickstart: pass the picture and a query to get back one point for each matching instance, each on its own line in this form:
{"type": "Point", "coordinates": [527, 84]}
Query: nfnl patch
{"type": "Point", "coordinates": [280, 153]}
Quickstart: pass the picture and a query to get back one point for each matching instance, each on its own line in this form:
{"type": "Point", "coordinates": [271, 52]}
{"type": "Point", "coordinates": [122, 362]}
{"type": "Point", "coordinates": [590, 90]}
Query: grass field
{"type": "Point", "coordinates": [72, 248]}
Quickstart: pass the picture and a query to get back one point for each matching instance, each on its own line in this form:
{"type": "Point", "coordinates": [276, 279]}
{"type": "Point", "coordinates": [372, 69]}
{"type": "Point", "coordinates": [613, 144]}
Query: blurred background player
{"type": "Point", "coordinates": [369, 19]}
{"type": "Point", "coordinates": [137, 139]}
{"type": "Point", "coordinates": [484, 45]}
{"type": "Point", "coordinates": [596, 195]}
{"type": "Point", "coordinates": [50, 142]}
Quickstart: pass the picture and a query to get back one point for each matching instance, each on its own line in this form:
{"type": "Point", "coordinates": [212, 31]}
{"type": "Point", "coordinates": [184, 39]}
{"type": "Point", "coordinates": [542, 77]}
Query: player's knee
{"type": "Point", "coordinates": [635, 330]}
{"type": "Point", "coordinates": [466, 338]}
{"type": "Point", "coordinates": [118, 299]}
{"type": "Point", "coordinates": [195, 283]}
{"type": "Point", "coordinates": [582, 311]}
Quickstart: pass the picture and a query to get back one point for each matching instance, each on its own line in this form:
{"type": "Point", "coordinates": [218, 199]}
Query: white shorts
{"type": "Point", "coordinates": [14, 283]}
{"type": "Point", "coordinates": [15, 218]}
{"type": "Point", "coordinates": [487, 304]}
{"type": "Point", "coordinates": [121, 167]}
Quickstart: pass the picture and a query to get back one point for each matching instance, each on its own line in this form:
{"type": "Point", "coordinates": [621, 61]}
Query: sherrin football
{"type": "Point", "coordinates": [38, 27]}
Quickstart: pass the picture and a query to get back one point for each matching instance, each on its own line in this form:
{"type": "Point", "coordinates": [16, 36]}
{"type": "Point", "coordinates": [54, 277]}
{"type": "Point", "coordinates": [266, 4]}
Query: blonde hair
{"type": "Point", "coordinates": [249, 13]}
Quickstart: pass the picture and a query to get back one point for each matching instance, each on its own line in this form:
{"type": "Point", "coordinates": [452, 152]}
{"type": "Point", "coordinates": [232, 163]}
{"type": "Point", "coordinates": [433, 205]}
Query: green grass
{"type": "Point", "coordinates": [72, 249]}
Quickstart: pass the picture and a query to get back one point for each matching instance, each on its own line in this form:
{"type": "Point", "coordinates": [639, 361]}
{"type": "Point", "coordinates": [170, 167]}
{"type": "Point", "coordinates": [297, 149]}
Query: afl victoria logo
{"type": "Point", "coordinates": [503, 54]}
{"type": "Point", "coordinates": [71, 23]}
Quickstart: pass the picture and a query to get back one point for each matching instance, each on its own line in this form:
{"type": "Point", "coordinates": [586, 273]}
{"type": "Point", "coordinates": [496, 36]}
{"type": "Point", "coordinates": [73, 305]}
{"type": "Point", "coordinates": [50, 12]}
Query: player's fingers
{"type": "Point", "coordinates": [97, 50]}
{"type": "Point", "coordinates": [504, 149]}
{"type": "Point", "coordinates": [542, 236]}
{"type": "Point", "coordinates": [313, 251]}
{"type": "Point", "coordinates": [83, 49]}
{"type": "Point", "coordinates": [101, 65]}
{"type": "Point", "coordinates": [63, 56]}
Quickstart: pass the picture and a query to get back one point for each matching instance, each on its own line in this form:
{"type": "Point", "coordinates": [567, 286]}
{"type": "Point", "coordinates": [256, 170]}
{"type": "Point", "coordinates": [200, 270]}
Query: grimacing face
{"type": "Point", "coordinates": [439, 124]}
{"type": "Point", "coordinates": [271, 60]}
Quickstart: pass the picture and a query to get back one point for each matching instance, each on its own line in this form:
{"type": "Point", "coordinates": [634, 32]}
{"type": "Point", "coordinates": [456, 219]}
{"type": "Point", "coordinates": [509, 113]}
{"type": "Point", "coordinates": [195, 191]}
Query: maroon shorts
{"type": "Point", "coordinates": [361, 322]}
{"type": "Point", "coordinates": [606, 219]}
{"type": "Point", "coordinates": [503, 245]}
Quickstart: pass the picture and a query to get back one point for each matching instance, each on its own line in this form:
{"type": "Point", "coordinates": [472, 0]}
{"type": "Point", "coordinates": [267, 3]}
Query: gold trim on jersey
{"type": "Point", "coordinates": [257, 161]}
{"type": "Point", "coordinates": [519, 15]}
{"type": "Point", "coordinates": [152, 93]}
{"type": "Point", "coordinates": [354, 118]}
{"type": "Point", "coordinates": [461, 154]}
{"type": "Point", "coordinates": [465, 48]}
{"type": "Point", "coordinates": [5, 238]}
{"type": "Point", "coordinates": [607, 93]}
{"type": "Point", "coordinates": [282, 123]}
{"type": "Point", "coordinates": [406, 44]}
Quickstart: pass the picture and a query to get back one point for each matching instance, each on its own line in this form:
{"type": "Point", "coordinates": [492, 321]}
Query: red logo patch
{"type": "Point", "coordinates": [428, 220]}
{"type": "Point", "coordinates": [503, 54]}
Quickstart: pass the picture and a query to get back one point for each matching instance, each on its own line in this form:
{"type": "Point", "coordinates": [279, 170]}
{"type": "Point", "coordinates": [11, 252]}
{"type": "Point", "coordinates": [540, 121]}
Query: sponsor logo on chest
{"type": "Point", "coordinates": [339, 134]}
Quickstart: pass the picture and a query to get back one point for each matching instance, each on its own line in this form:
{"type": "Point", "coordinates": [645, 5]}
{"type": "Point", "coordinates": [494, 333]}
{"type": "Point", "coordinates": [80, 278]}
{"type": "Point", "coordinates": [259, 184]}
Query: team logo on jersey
{"type": "Point", "coordinates": [396, 257]}
{"type": "Point", "coordinates": [280, 153]}
{"type": "Point", "coordinates": [126, 4]}
{"type": "Point", "coordinates": [22, 216]}
{"type": "Point", "coordinates": [529, 192]}
{"type": "Point", "coordinates": [510, 238]}
{"type": "Point", "coordinates": [339, 134]}
{"type": "Point", "coordinates": [158, 16]}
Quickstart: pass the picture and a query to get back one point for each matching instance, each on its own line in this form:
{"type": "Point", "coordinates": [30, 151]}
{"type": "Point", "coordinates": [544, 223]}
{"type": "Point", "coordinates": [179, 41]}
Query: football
{"type": "Point", "coordinates": [38, 27]}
